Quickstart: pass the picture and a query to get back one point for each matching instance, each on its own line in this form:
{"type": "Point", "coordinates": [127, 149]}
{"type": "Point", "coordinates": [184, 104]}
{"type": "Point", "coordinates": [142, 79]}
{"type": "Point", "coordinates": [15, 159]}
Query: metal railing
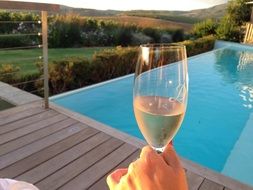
{"type": "Point", "coordinates": [43, 8]}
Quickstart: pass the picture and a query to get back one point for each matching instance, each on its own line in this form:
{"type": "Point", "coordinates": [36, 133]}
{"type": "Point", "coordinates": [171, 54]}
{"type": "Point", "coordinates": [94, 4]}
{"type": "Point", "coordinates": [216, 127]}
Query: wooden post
{"type": "Point", "coordinates": [45, 56]}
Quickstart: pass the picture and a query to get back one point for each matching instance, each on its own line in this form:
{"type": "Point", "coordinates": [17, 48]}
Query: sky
{"type": "Point", "coordinates": [137, 4]}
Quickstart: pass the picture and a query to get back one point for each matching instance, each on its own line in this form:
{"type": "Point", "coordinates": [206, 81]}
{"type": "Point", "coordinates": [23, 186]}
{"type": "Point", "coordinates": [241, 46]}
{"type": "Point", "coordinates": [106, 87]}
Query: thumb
{"type": "Point", "coordinates": [170, 157]}
{"type": "Point", "coordinates": [114, 178]}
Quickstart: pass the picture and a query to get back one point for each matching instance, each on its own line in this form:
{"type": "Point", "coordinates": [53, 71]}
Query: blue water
{"type": "Point", "coordinates": [219, 106]}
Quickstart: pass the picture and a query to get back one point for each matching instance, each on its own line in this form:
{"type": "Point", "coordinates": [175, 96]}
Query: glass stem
{"type": "Point", "coordinates": [159, 150]}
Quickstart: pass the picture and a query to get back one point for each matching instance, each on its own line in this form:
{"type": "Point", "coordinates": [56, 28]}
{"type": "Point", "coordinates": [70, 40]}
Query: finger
{"type": "Point", "coordinates": [145, 151]}
{"type": "Point", "coordinates": [149, 155]}
{"type": "Point", "coordinates": [170, 157]}
{"type": "Point", "coordinates": [114, 178]}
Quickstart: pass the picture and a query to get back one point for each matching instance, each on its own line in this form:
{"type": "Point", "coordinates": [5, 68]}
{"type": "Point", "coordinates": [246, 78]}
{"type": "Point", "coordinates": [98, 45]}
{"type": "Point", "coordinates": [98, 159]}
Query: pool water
{"type": "Point", "coordinates": [217, 131]}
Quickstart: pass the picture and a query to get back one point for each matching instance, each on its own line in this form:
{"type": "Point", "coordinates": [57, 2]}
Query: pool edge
{"type": "Point", "coordinates": [58, 96]}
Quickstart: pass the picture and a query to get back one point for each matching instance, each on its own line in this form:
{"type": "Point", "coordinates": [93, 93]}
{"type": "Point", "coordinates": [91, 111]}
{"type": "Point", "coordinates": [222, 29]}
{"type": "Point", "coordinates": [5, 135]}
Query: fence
{"type": "Point", "coordinates": [41, 30]}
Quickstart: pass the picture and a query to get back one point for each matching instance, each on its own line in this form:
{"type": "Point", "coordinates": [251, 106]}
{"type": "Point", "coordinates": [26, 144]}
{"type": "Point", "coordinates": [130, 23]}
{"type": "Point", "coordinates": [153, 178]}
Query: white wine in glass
{"type": "Point", "coordinates": [160, 92]}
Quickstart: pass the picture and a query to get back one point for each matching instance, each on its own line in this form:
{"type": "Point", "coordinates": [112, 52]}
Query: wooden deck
{"type": "Point", "coordinates": [58, 149]}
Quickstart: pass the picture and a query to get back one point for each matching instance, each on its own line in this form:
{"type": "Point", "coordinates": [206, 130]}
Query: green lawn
{"type": "Point", "coordinates": [26, 59]}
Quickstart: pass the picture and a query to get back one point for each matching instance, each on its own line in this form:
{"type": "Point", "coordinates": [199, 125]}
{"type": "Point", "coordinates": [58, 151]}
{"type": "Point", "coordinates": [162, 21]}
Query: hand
{"type": "Point", "coordinates": [151, 171]}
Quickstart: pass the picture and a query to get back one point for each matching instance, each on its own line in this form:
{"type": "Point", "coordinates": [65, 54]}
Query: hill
{"type": "Point", "coordinates": [147, 22]}
{"type": "Point", "coordinates": [192, 16]}
{"type": "Point", "coordinates": [88, 12]}
{"type": "Point", "coordinates": [215, 12]}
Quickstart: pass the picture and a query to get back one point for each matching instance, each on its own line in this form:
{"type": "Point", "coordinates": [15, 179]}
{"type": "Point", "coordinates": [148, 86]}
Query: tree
{"type": "Point", "coordinates": [229, 30]}
{"type": "Point", "coordinates": [238, 12]}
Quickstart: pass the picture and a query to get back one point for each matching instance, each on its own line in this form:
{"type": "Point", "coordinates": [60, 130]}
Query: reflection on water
{"type": "Point", "coordinates": [247, 96]}
{"type": "Point", "coordinates": [245, 60]}
{"type": "Point", "coordinates": [237, 67]}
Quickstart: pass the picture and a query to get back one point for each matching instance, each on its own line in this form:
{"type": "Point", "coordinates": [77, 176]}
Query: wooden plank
{"type": "Point", "coordinates": [210, 185]}
{"type": "Point", "coordinates": [28, 6]}
{"type": "Point", "coordinates": [88, 177]}
{"type": "Point", "coordinates": [248, 37]}
{"type": "Point", "coordinates": [34, 160]}
{"type": "Point", "coordinates": [27, 150]}
{"type": "Point", "coordinates": [67, 173]}
{"type": "Point", "coordinates": [27, 121]}
{"type": "Point", "coordinates": [20, 115]}
{"type": "Point", "coordinates": [19, 109]}
{"type": "Point", "coordinates": [101, 183]}
{"type": "Point", "coordinates": [194, 180]}
{"type": "Point", "coordinates": [214, 176]}
{"type": "Point", "coordinates": [61, 160]}
{"type": "Point", "coordinates": [246, 33]}
{"type": "Point", "coordinates": [249, 33]}
{"type": "Point", "coordinates": [101, 126]}
{"type": "Point", "coordinates": [30, 128]}
{"type": "Point", "coordinates": [22, 141]}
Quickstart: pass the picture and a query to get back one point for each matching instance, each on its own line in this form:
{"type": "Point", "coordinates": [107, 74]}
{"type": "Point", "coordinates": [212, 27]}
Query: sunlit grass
{"type": "Point", "coordinates": [26, 59]}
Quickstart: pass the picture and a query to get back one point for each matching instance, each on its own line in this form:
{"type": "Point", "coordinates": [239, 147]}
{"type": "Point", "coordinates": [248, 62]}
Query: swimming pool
{"type": "Point", "coordinates": [217, 131]}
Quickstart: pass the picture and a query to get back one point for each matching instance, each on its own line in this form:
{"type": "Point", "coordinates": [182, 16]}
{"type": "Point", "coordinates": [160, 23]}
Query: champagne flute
{"type": "Point", "coordinates": [160, 92]}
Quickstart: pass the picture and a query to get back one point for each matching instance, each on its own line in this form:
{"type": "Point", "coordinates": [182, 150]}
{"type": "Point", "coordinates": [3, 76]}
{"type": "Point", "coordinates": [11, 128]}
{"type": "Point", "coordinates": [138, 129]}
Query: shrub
{"type": "Point", "coordinates": [73, 31]}
{"type": "Point", "coordinates": [178, 36]}
{"type": "Point", "coordinates": [8, 73]}
{"type": "Point", "coordinates": [205, 28]}
{"type": "Point", "coordinates": [68, 74]}
{"type": "Point", "coordinates": [76, 72]}
{"type": "Point", "coordinates": [65, 31]}
{"type": "Point", "coordinates": [140, 38]}
{"type": "Point", "coordinates": [229, 30]}
{"type": "Point", "coordinates": [32, 83]}
{"type": "Point", "coordinates": [18, 28]}
{"type": "Point", "coordinates": [18, 41]}
{"type": "Point", "coordinates": [124, 36]}
{"type": "Point", "coordinates": [200, 45]}
{"type": "Point", "coordinates": [113, 63]}
{"type": "Point", "coordinates": [29, 82]}
{"type": "Point", "coordinates": [153, 33]}
{"type": "Point", "coordinates": [166, 38]}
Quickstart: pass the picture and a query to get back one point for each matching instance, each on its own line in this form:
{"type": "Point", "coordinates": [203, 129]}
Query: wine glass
{"type": "Point", "coordinates": [160, 92]}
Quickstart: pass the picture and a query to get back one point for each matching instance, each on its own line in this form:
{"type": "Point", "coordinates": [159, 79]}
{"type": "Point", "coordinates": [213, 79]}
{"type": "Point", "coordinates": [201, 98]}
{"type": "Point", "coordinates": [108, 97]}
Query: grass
{"type": "Point", "coordinates": [26, 59]}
